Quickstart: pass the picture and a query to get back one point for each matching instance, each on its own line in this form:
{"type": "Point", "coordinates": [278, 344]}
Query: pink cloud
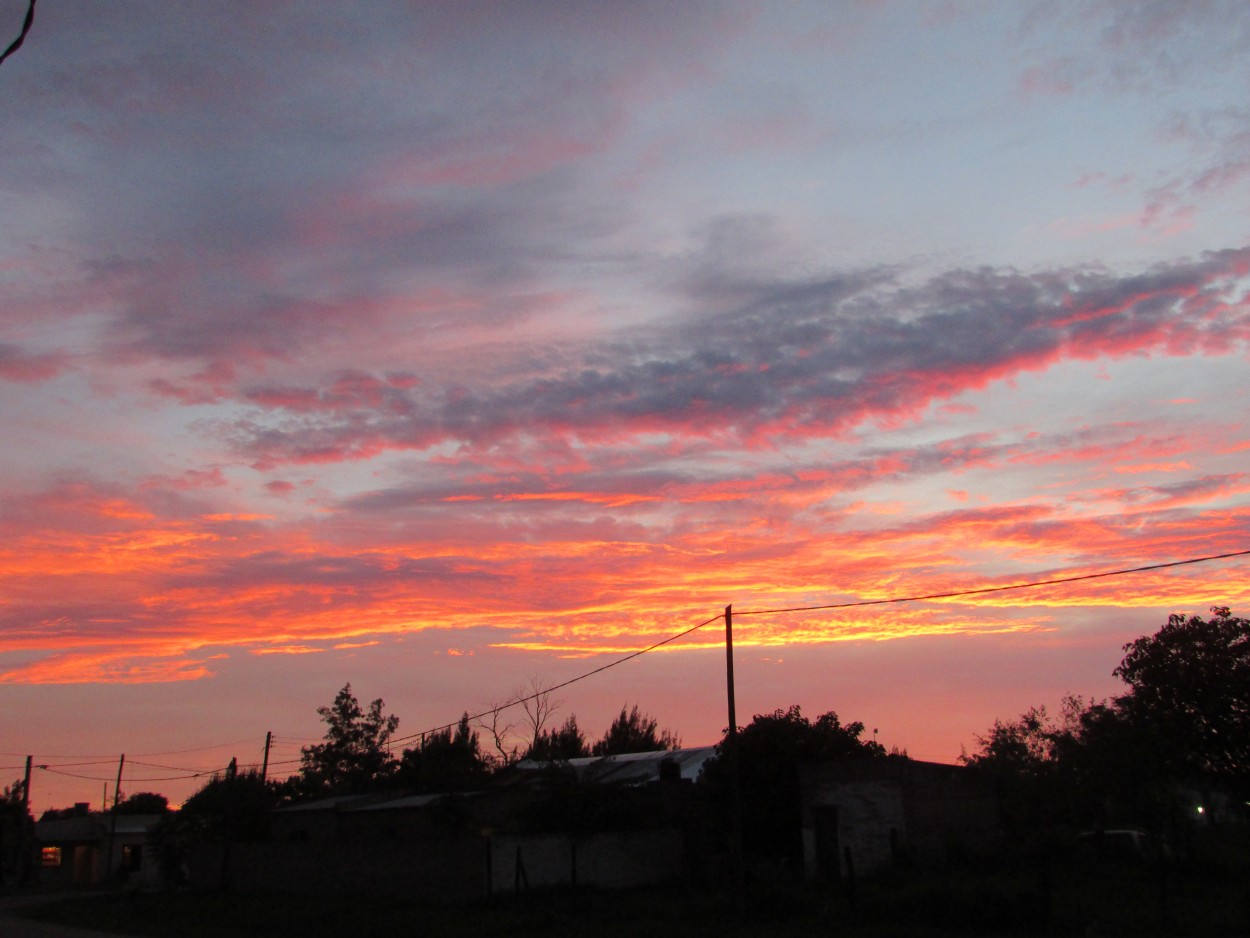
{"type": "Point", "coordinates": [22, 368]}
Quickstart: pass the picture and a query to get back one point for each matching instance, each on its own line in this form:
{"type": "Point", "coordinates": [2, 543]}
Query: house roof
{"type": "Point", "coordinates": [331, 803]}
{"type": "Point", "coordinates": [90, 827]}
{"type": "Point", "coordinates": [634, 768]}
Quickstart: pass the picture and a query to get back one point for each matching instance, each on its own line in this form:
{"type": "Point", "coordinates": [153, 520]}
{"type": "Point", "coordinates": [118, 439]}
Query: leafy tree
{"type": "Point", "coordinates": [354, 756]}
{"type": "Point", "coordinates": [16, 832]}
{"type": "Point", "coordinates": [771, 749]}
{"type": "Point", "coordinates": [1185, 718]}
{"type": "Point", "coordinates": [634, 731]}
{"type": "Point", "coordinates": [559, 745]}
{"type": "Point", "coordinates": [228, 807]}
{"type": "Point", "coordinates": [239, 802]}
{"type": "Point", "coordinates": [144, 802]}
{"type": "Point", "coordinates": [1190, 684]}
{"type": "Point", "coordinates": [445, 761]}
{"type": "Point", "coordinates": [13, 800]}
{"type": "Point", "coordinates": [1024, 747]}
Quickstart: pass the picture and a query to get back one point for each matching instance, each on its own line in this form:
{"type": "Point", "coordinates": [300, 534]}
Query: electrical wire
{"type": "Point", "coordinates": [996, 589]}
{"type": "Point", "coordinates": [953, 594]}
{"type": "Point", "coordinates": [26, 24]}
{"type": "Point", "coordinates": [846, 605]}
{"type": "Point", "coordinates": [547, 690]}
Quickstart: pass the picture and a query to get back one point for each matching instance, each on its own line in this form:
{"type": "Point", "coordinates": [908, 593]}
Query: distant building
{"type": "Point", "coordinates": [876, 813]}
{"type": "Point", "coordinates": [89, 848]}
{"type": "Point", "coordinates": [609, 822]}
{"type": "Point", "coordinates": [634, 768]}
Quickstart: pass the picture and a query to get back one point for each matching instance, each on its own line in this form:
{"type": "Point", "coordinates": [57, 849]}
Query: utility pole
{"type": "Point", "coordinates": [26, 785]}
{"type": "Point", "coordinates": [232, 795]}
{"type": "Point", "coordinates": [735, 782]}
{"type": "Point", "coordinates": [25, 836]}
{"type": "Point", "coordinates": [264, 768]}
{"type": "Point", "coordinates": [117, 794]}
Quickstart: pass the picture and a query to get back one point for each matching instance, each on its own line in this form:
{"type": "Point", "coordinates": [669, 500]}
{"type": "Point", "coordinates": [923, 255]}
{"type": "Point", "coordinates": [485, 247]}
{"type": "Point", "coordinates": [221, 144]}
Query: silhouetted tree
{"type": "Point", "coordinates": [234, 807]}
{"type": "Point", "coordinates": [1023, 756]}
{"type": "Point", "coordinates": [1184, 719]}
{"type": "Point", "coordinates": [1189, 683]}
{"type": "Point", "coordinates": [771, 748]}
{"type": "Point", "coordinates": [16, 833]}
{"type": "Point", "coordinates": [501, 732]}
{"type": "Point", "coordinates": [354, 756]}
{"type": "Point", "coordinates": [559, 745]}
{"type": "Point", "coordinates": [240, 803]}
{"type": "Point", "coordinates": [445, 761]}
{"type": "Point", "coordinates": [508, 736]}
{"type": "Point", "coordinates": [634, 731]}
{"type": "Point", "coordinates": [144, 802]}
{"type": "Point", "coordinates": [12, 800]}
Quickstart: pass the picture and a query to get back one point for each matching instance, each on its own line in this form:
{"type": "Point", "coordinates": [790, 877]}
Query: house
{"type": "Point", "coordinates": [610, 822]}
{"type": "Point", "coordinates": [89, 848]}
{"type": "Point", "coordinates": [633, 768]}
{"type": "Point", "coordinates": [863, 815]}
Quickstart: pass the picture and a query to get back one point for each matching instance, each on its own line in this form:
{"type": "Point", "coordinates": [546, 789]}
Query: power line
{"type": "Point", "coordinates": [581, 677]}
{"type": "Point", "coordinates": [1033, 584]}
{"type": "Point", "coordinates": [631, 655]}
{"type": "Point", "coordinates": [101, 759]}
{"type": "Point", "coordinates": [997, 589]}
{"type": "Point", "coordinates": [132, 779]}
{"type": "Point", "coordinates": [26, 23]}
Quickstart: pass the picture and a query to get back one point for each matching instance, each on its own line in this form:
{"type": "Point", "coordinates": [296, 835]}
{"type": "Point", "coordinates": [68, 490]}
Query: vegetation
{"type": "Point", "coordinates": [634, 731]}
{"type": "Point", "coordinates": [354, 756]}
{"type": "Point", "coordinates": [559, 745]}
{"type": "Point", "coordinates": [445, 761]}
{"type": "Point", "coordinates": [1184, 723]}
{"type": "Point", "coordinates": [144, 802]}
{"type": "Point", "coordinates": [771, 750]}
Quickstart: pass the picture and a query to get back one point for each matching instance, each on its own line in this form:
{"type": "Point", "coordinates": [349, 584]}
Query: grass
{"type": "Point", "coordinates": [1009, 903]}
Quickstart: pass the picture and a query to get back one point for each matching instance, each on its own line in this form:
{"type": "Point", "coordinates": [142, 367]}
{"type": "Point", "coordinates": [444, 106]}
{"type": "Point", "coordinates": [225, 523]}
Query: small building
{"type": "Point", "coordinates": [606, 822]}
{"type": "Point", "coordinates": [89, 848]}
{"type": "Point", "coordinates": [869, 814]}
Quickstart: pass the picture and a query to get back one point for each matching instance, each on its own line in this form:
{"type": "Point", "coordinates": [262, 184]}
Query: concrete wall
{"type": "Point", "coordinates": [451, 870]}
{"type": "Point", "coordinates": [895, 811]}
{"type": "Point", "coordinates": [608, 860]}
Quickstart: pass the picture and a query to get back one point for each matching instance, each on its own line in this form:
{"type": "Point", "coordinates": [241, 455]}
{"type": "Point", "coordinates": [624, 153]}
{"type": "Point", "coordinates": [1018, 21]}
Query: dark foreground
{"type": "Point", "coordinates": [1076, 901]}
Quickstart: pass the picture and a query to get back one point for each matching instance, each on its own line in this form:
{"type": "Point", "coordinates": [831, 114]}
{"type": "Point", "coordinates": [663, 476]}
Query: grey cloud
{"type": "Point", "coordinates": [822, 363]}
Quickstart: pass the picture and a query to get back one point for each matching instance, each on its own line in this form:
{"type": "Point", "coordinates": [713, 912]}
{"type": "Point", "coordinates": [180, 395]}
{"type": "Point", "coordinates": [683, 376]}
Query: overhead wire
{"type": "Point", "coordinates": [994, 589]}
{"type": "Point", "coordinates": [547, 690]}
{"type": "Point", "coordinates": [519, 701]}
{"type": "Point", "coordinates": [26, 24]}
{"type": "Point", "coordinates": [953, 594]}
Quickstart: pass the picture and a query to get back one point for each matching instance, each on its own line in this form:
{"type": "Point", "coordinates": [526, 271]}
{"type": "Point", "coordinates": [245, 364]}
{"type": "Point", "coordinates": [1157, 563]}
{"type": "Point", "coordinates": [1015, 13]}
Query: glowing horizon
{"type": "Point", "coordinates": [451, 348]}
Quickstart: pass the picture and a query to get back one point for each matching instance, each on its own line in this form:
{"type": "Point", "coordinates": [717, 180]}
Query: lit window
{"type": "Point", "coordinates": [50, 857]}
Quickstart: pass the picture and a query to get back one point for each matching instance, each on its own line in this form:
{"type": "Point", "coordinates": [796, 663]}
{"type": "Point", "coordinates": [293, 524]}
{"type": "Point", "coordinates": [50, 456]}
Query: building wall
{"type": "Point", "coordinates": [894, 811]}
{"type": "Point", "coordinates": [452, 870]}
{"type": "Point", "coordinates": [92, 850]}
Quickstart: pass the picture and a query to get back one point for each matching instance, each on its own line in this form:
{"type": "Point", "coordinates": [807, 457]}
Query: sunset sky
{"type": "Point", "coordinates": [446, 347]}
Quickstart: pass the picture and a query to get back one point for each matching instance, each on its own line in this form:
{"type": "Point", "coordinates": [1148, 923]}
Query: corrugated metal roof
{"type": "Point", "coordinates": [634, 768]}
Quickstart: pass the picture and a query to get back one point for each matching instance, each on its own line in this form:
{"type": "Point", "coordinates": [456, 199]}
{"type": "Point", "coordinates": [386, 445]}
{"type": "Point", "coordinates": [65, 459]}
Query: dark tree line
{"type": "Point", "coordinates": [1183, 722]}
{"type": "Point", "coordinates": [355, 755]}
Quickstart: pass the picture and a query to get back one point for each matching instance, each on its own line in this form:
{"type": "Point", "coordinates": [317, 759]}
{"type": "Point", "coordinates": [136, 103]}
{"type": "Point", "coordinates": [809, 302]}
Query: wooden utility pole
{"type": "Point", "coordinates": [117, 794]}
{"type": "Point", "coordinates": [26, 785]}
{"type": "Point", "coordinates": [264, 768]}
{"type": "Point", "coordinates": [735, 782]}
{"type": "Point", "coordinates": [26, 831]}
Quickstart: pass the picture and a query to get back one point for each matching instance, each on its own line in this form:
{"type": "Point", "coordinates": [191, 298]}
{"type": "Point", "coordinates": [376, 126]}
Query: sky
{"type": "Point", "coordinates": [448, 349]}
